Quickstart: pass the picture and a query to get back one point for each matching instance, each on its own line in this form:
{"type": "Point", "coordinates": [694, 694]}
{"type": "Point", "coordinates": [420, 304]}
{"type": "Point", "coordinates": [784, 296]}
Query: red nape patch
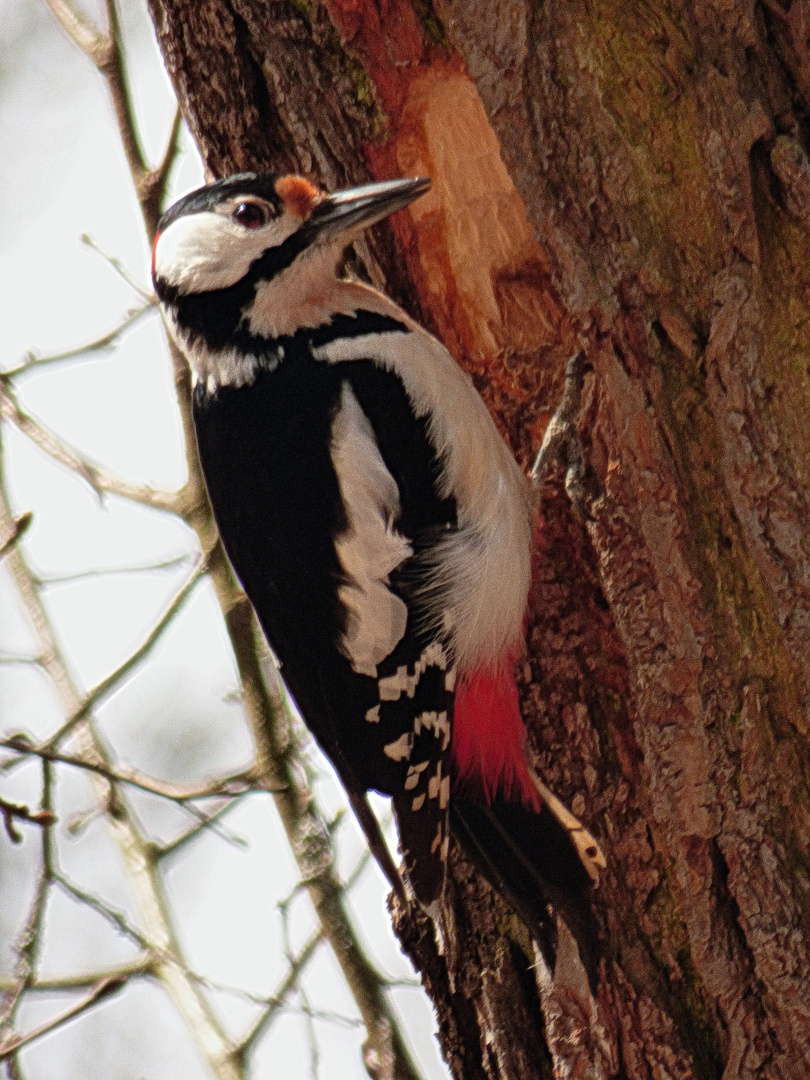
{"type": "Point", "coordinates": [299, 195]}
{"type": "Point", "coordinates": [488, 738]}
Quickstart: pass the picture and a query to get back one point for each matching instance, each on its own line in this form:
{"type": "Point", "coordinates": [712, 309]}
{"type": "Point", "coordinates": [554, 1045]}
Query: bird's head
{"type": "Point", "coordinates": [250, 248]}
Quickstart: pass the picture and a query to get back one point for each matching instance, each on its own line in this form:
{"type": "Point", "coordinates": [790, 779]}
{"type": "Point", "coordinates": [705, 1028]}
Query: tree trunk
{"type": "Point", "coordinates": [629, 177]}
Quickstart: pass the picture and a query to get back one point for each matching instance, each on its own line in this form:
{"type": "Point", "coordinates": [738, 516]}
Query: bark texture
{"type": "Point", "coordinates": [629, 176]}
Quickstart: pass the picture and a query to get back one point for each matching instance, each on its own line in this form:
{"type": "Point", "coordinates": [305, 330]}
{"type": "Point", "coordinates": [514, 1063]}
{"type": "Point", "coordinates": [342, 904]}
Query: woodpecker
{"type": "Point", "coordinates": [379, 525]}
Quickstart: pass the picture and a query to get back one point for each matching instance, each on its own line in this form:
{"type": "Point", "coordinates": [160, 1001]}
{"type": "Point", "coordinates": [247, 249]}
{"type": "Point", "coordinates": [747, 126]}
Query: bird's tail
{"type": "Point", "coordinates": [537, 863]}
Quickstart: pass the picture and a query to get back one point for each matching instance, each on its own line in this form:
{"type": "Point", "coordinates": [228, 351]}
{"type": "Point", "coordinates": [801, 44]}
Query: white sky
{"type": "Point", "coordinates": [61, 175]}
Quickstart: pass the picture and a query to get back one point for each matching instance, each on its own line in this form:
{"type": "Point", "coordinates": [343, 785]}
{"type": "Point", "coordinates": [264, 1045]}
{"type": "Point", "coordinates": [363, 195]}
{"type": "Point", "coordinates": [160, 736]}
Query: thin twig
{"type": "Point", "coordinates": [210, 822]}
{"type": "Point", "coordinates": [114, 71]}
{"type": "Point", "coordinates": [162, 171]}
{"type": "Point", "coordinates": [143, 965]}
{"type": "Point", "coordinates": [98, 692]}
{"type": "Point", "coordinates": [152, 190]}
{"type": "Point", "coordinates": [19, 811]}
{"type": "Point", "coordinates": [18, 527]}
{"type": "Point", "coordinates": [277, 1000]}
{"type": "Point", "coordinates": [236, 784]}
{"type": "Point", "coordinates": [120, 269]}
{"type": "Point", "coordinates": [88, 37]}
{"type": "Point", "coordinates": [119, 921]}
{"type": "Point", "coordinates": [103, 990]}
{"type": "Point", "coordinates": [107, 685]}
{"type": "Point", "coordinates": [14, 1068]}
{"type": "Point", "coordinates": [44, 581]}
{"type": "Point", "coordinates": [33, 362]}
{"type": "Point", "coordinates": [105, 52]}
{"type": "Point", "coordinates": [276, 1003]}
{"type": "Point", "coordinates": [329, 1017]}
{"type": "Point", "coordinates": [98, 479]}
{"type": "Point", "coordinates": [31, 937]}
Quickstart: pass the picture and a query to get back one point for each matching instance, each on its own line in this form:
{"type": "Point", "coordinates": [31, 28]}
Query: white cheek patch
{"type": "Point", "coordinates": [207, 251]}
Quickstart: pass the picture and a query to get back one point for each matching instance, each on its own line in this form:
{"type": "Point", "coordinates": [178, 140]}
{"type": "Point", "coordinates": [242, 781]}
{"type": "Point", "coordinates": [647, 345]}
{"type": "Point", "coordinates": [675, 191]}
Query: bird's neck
{"type": "Point", "coordinates": [283, 312]}
{"type": "Point", "coordinates": [309, 299]}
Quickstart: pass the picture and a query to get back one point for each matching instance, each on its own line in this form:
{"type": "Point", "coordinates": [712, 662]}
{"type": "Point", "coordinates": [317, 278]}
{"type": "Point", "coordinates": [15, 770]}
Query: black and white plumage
{"type": "Point", "coordinates": [377, 520]}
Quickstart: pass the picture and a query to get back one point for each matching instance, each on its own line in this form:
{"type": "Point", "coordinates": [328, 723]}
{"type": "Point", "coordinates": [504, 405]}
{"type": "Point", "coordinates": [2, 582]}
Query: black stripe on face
{"type": "Point", "coordinates": [353, 326]}
{"type": "Point", "coordinates": [215, 317]}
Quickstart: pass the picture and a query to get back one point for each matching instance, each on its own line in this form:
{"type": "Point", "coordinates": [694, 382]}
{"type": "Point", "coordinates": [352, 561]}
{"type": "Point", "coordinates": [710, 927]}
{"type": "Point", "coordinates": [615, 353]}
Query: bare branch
{"type": "Point", "coordinates": [33, 362]}
{"type": "Point", "coordinates": [276, 1002]}
{"type": "Point", "coordinates": [142, 966]}
{"type": "Point", "coordinates": [14, 1069]}
{"type": "Point", "coordinates": [114, 71]}
{"type": "Point", "coordinates": [107, 685]}
{"type": "Point", "coordinates": [30, 939]}
{"type": "Point", "coordinates": [103, 990]}
{"type": "Point", "coordinates": [119, 921]}
{"type": "Point", "coordinates": [119, 268]}
{"type": "Point", "coordinates": [104, 571]}
{"type": "Point", "coordinates": [153, 187]}
{"type": "Point", "coordinates": [329, 1017]}
{"type": "Point", "coordinates": [210, 822]}
{"type": "Point", "coordinates": [19, 526]}
{"type": "Point", "coordinates": [230, 786]}
{"type": "Point", "coordinates": [106, 52]}
{"type": "Point", "coordinates": [163, 946]}
{"type": "Point", "coordinates": [11, 811]}
{"type": "Point", "coordinates": [99, 480]}
{"type": "Point", "coordinates": [162, 171]}
{"type": "Point", "coordinates": [77, 27]}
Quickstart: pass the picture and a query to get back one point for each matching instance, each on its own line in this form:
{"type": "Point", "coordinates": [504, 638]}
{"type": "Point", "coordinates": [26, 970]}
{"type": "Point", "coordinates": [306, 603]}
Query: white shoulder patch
{"type": "Point", "coordinates": [476, 579]}
{"type": "Point", "coordinates": [370, 548]}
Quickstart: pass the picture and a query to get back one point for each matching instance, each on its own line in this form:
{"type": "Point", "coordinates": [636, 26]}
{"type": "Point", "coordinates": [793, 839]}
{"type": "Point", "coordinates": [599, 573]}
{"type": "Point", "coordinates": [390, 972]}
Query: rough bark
{"type": "Point", "coordinates": [629, 176]}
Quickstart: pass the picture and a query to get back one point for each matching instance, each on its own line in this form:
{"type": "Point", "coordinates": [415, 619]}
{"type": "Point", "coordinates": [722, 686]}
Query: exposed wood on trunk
{"type": "Point", "coordinates": [630, 176]}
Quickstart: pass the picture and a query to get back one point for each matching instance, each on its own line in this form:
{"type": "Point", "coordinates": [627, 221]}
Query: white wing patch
{"type": "Point", "coordinates": [370, 548]}
{"type": "Point", "coordinates": [476, 579]}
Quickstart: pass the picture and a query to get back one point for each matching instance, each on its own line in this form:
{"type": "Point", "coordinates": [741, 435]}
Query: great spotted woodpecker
{"type": "Point", "coordinates": [378, 523]}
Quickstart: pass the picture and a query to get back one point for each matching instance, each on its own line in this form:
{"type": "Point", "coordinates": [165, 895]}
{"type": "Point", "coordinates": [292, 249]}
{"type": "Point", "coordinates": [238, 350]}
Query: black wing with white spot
{"type": "Point", "coordinates": [327, 554]}
{"type": "Point", "coordinates": [416, 682]}
{"type": "Point", "coordinates": [416, 705]}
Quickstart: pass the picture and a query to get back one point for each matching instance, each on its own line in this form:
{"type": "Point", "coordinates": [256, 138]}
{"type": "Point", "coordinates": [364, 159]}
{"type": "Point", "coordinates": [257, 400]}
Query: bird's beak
{"type": "Point", "coordinates": [357, 208]}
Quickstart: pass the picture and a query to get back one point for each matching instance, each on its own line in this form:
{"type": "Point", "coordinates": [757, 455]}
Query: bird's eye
{"type": "Point", "coordinates": [250, 214]}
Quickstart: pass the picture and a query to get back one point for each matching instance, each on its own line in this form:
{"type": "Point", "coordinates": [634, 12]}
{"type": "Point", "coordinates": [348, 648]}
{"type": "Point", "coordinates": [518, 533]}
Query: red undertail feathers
{"type": "Point", "coordinates": [489, 738]}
